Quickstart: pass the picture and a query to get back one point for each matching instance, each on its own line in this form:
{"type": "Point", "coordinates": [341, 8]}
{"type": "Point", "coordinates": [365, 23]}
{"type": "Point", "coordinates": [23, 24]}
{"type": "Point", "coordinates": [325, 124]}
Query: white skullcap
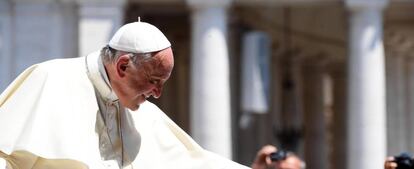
{"type": "Point", "coordinates": [139, 37]}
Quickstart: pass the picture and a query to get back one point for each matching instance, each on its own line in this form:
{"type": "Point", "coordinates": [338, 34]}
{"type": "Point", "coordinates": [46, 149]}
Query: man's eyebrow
{"type": "Point", "coordinates": [160, 76]}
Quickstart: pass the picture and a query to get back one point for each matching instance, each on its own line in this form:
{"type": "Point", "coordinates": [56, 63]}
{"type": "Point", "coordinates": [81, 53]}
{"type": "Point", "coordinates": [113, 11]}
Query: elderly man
{"type": "Point", "coordinates": [263, 161]}
{"type": "Point", "coordinates": [91, 112]}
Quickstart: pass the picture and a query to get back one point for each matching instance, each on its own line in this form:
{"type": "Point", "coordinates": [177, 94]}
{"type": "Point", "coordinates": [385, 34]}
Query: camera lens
{"type": "Point", "coordinates": [404, 161]}
{"type": "Point", "coordinates": [278, 155]}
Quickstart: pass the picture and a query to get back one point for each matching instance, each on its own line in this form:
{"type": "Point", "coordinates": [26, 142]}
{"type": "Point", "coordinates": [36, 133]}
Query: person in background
{"type": "Point", "coordinates": [263, 160]}
{"type": "Point", "coordinates": [389, 163]}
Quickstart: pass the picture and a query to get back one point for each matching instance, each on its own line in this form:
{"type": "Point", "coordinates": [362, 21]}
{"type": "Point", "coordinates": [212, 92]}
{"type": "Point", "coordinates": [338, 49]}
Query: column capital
{"type": "Point", "coordinates": [5, 8]}
{"type": "Point", "coordinates": [106, 8]}
{"type": "Point", "coordinates": [101, 2]}
{"type": "Point", "coordinates": [366, 4]}
{"type": "Point", "coordinates": [209, 3]}
{"type": "Point", "coordinates": [398, 42]}
{"type": "Point", "coordinates": [40, 1]}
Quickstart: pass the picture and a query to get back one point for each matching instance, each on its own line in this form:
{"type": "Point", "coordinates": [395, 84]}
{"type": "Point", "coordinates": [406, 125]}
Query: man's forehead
{"type": "Point", "coordinates": [160, 72]}
{"type": "Point", "coordinates": [158, 68]}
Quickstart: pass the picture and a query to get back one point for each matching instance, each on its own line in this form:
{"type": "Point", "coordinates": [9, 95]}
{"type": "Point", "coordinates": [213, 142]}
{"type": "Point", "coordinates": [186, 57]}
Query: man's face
{"type": "Point", "coordinates": [140, 81]}
{"type": "Point", "coordinates": [290, 162]}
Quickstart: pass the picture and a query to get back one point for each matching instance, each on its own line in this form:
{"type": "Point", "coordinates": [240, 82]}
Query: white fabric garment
{"type": "Point", "coordinates": [111, 120]}
{"type": "Point", "coordinates": [49, 119]}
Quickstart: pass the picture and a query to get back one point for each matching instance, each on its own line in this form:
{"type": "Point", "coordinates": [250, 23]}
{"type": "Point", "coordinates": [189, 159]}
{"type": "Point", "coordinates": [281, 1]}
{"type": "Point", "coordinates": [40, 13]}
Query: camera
{"type": "Point", "coordinates": [404, 161]}
{"type": "Point", "coordinates": [278, 155]}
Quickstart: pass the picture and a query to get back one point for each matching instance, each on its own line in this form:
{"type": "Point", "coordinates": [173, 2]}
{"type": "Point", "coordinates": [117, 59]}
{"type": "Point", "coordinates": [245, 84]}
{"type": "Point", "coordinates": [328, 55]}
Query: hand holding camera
{"type": "Point", "coordinates": [263, 159]}
{"type": "Point", "coordinates": [278, 155]}
{"type": "Point", "coordinates": [404, 161]}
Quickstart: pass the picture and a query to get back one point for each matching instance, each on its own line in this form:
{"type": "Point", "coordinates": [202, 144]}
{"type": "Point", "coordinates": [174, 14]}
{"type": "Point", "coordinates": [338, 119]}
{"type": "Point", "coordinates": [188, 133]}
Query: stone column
{"type": "Point", "coordinates": [410, 99]}
{"type": "Point", "coordinates": [338, 156]}
{"type": "Point", "coordinates": [210, 85]}
{"type": "Point", "coordinates": [396, 103]}
{"type": "Point", "coordinates": [97, 23]}
{"type": "Point", "coordinates": [402, 104]}
{"type": "Point", "coordinates": [366, 101]}
{"type": "Point", "coordinates": [42, 30]}
{"type": "Point", "coordinates": [315, 138]}
{"type": "Point", "coordinates": [5, 44]}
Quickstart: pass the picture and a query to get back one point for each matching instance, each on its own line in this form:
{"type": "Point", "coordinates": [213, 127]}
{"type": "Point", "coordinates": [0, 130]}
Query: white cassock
{"type": "Point", "coordinates": [52, 117]}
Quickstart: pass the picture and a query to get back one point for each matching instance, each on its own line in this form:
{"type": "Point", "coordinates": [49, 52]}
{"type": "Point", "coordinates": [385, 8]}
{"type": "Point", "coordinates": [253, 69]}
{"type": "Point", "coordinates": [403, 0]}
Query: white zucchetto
{"type": "Point", "coordinates": [139, 37]}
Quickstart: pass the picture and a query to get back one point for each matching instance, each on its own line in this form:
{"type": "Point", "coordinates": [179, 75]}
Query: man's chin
{"type": "Point", "coordinates": [135, 107]}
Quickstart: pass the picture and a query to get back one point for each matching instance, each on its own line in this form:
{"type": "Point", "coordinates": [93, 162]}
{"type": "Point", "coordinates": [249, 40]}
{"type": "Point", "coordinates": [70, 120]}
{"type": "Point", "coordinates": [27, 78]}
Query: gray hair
{"type": "Point", "coordinates": [110, 55]}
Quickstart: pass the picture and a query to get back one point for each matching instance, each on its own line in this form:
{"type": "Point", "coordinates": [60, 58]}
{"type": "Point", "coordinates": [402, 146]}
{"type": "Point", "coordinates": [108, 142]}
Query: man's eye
{"type": "Point", "coordinates": [154, 82]}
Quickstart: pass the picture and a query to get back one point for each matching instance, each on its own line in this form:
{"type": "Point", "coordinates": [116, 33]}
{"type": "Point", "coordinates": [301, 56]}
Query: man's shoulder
{"type": "Point", "coordinates": [61, 71]}
{"type": "Point", "coordinates": [61, 64]}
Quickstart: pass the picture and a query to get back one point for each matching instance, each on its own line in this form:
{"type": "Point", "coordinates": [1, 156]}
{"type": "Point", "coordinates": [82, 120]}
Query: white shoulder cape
{"type": "Point", "coordinates": [49, 113]}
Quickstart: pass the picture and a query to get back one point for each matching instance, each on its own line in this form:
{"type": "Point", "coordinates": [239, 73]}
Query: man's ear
{"type": "Point", "coordinates": [122, 65]}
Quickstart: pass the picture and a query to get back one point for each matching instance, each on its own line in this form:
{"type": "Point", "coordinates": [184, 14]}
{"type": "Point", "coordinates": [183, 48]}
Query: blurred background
{"type": "Point", "coordinates": [332, 80]}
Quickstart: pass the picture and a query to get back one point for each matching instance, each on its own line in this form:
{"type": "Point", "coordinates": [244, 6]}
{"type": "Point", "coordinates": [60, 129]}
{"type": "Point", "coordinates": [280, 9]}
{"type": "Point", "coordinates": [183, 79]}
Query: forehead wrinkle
{"type": "Point", "coordinates": [156, 69]}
